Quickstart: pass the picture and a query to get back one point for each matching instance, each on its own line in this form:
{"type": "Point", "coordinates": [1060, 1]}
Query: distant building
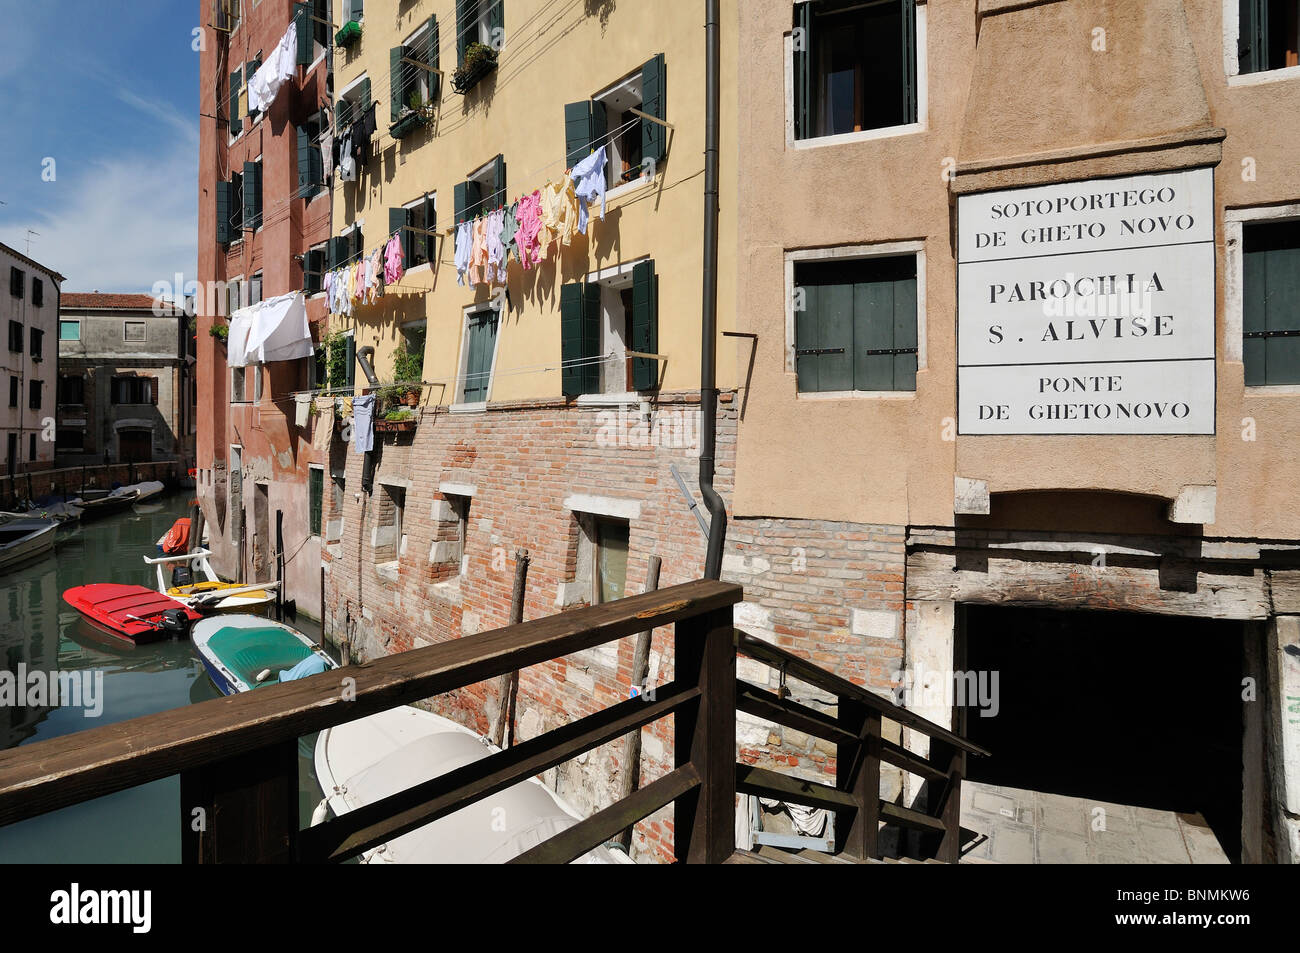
{"type": "Point", "coordinates": [126, 390]}
{"type": "Point", "coordinates": [28, 311]}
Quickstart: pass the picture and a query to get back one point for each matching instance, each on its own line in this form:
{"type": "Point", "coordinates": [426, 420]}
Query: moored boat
{"type": "Point", "coordinates": [369, 759]}
{"type": "Point", "coordinates": [209, 594]}
{"type": "Point", "coordinates": [24, 538]}
{"type": "Point", "coordinates": [132, 615]}
{"type": "Point", "coordinates": [96, 503]}
{"type": "Point", "coordinates": [244, 652]}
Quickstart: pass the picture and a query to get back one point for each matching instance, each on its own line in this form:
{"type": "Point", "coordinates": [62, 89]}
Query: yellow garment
{"type": "Point", "coordinates": [559, 212]}
{"type": "Point", "coordinates": [347, 407]}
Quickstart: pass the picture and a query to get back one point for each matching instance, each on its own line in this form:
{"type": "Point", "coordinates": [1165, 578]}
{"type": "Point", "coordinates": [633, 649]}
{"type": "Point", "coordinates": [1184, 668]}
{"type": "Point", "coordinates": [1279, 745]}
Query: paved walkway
{"type": "Point", "coordinates": [1030, 827]}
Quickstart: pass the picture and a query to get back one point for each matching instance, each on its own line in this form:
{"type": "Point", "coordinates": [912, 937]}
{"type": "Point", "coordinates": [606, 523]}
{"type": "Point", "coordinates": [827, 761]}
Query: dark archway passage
{"type": "Point", "coordinates": [1118, 707]}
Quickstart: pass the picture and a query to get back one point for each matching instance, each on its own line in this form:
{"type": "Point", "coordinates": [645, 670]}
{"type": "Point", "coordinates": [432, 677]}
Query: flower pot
{"type": "Point", "coordinates": [407, 124]}
{"type": "Point", "coordinates": [474, 69]}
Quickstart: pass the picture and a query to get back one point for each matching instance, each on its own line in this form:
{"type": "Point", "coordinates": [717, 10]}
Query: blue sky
{"type": "Point", "coordinates": [109, 91]}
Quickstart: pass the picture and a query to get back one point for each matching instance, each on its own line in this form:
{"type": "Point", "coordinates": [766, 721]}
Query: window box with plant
{"type": "Point", "coordinates": [220, 331]}
{"type": "Point", "coordinates": [480, 59]}
{"type": "Point", "coordinates": [400, 420]}
{"type": "Point", "coordinates": [416, 113]}
{"type": "Point", "coordinates": [348, 34]}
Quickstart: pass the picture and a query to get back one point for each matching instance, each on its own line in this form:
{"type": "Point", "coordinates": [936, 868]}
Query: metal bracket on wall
{"type": "Point", "coordinates": [695, 506]}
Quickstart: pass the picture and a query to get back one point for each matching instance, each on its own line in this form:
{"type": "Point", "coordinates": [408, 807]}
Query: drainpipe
{"type": "Point", "coordinates": [709, 316]}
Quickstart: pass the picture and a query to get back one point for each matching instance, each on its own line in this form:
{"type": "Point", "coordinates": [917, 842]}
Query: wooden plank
{"type": "Point", "coordinates": [783, 787]}
{"type": "Point", "coordinates": [909, 761]}
{"type": "Point", "coordinates": [767, 705]}
{"type": "Point", "coordinates": [48, 775]}
{"type": "Point", "coordinates": [806, 671]}
{"type": "Point", "coordinates": [857, 773]}
{"type": "Point", "coordinates": [1064, 584]}
{"type": "Point", "coordinates": [242, 810]}
{"type": "Point", "coordinates": [568, 846]}
{"type": "Point", "coordinates": [405, 811]}
{"type": "Point", "coordinates": [1284, 586]}
{"type": "Point", "coordinates": [704, 735]}
{"type": "Point", "coordinates": [897, 814]}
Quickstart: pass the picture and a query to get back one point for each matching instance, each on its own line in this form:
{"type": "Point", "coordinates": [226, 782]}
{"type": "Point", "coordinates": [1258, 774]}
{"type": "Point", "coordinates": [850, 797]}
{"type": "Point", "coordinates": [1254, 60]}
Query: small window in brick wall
{"type": "Point", "coordinates": [450, 530]}
{"type": "Point", "coordinates": [386, 538]}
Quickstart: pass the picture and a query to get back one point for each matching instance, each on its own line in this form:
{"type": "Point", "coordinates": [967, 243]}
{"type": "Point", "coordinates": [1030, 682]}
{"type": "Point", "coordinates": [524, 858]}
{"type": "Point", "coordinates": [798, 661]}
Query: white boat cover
{"type": "Point", "coordinates": [382, 754]}
{"type": "Point", "coordinates": [272, 330]}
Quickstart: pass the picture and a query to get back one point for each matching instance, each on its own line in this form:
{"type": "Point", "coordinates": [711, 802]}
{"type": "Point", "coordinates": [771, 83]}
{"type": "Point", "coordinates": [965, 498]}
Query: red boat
{"type": "Point", "coordinates": [131, 614]}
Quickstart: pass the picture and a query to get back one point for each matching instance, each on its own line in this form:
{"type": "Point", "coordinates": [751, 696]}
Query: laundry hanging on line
{"type": "Point", "coordinates": [279, 67]}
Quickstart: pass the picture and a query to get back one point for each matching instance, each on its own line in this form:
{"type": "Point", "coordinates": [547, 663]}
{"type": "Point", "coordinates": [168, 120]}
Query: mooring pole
{"type": "Point", "coordinates": [640, 670]}
{"type": "Point", "coordinates": [504, 733]}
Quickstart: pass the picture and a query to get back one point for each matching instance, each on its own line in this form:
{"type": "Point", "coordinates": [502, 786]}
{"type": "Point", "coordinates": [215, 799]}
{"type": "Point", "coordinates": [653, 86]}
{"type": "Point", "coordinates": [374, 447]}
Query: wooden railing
{"type": "Point", "coordinates": [859, 750]}
{"type": "Point", "coordinates": [238, 763]}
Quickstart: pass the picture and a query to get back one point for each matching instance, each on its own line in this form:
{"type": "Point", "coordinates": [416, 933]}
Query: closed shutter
{"type": "Point", "coordinates": [363, 97]}
{"type": "Point", "coordinates": [1271, 304]}
{"type": "Point", "coordinates": [431, 57]}
{"type": "Point", "coordinates": [38, 292]}
{"type": "Point", "coordinates": [252, 194]}
{"type": "Point", "coordinates": [236, 124]}
{"type": "Point", "coordinates": [496, 22]}
{"type": "Point", "coordinates": [498, 198]}
{"type": "Point", "coordinates": [591, 321]}
{"type": "Point", "coordinates": [342, 117]}
{"type": "Point", "coordinates": [478, 365]}
{"type": "Point", "coordinates": [577, 132]}
{"type": "Point", "coordinates": [396, 81]}
{"type": "Point", "coordinates": [465, 10]}
{"type": "Point", "coordinates": [356, 244]}
{"type": "Point", "coordinates": [802, 72]}
{"type": "Point", "coordinates": [316, 495]}
{"type": "Point", "coordinates": [909, 59]}
{"type": "Point", "coordinates": [431, 223]}
{"type": "Point", "coordinates": [571, 315]}
{"type": "Point", "coordinates": [350, 359]}
{"type": "Point", "coordinates": [303, 24]}
{"type": "Point", "coordinates": [824, 338]}
{"type": "Point", "coordinates": [645, 325]}
{"type": "Point", "coordinates": [1252, 31]}
{"type": "Point", "coordinates": [461, 201]}
{"type": "Point", "coordinates": [653, 103]}
{"type": "Point", "coordinates": [397, 222]}
{"type": "Point", "coordinates": [225, 234]}
{"type": "Point", "coordinates": [306, 183]}
{"type": "Point", "coordinates": [338, 251]}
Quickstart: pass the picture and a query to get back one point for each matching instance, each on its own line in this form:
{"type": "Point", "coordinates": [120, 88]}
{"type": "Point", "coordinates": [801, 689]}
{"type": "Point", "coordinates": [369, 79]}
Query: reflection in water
{"type": "Point", "coordinates": [38, 629]}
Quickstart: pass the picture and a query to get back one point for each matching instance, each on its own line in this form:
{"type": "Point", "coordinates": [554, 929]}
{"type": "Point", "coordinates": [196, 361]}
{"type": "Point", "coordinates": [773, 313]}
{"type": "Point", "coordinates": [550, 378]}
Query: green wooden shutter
{"type": "Point", "coordinates": [397, 83]}
{"type": "Point", "coordinates": [304, 24]}
{"type": "Point", "coordinates": [357, 8]}
{"type": "Point", "coordinates": [909, 60]}
{"type": "Point", "coordinates": [460, 201]}
{"type": "Point", "coordinates": [645, 325]}
{"type": "Point", "coordinates": [1254, 315]}
{"type": "Point", "coordinates": [236, 124]}
{"type": "Point", "coordinates": [350, 359]}
{"type": "Point", "coordinates": [654, 102]}
{"type": "Point", "coordinates": [871, 307]}
{"type": "Point", "coordinates": [803, 74]}
{"type": "Point", "coordinates": [364, 97]}
{"type": "Point", "coordinates": [478, 365]}
{"type": "Point", "coordinates": [496, 21]}
{"type": "Point", "coordinates": [577, 132]}
{"type": "Point", "coordinates": [1282, 264]}
{"type": "Point", "coordinates": [338, 251]}
{"type": "Point", "coordinates": [465, 10]}
{"type": "Point", "coordinates": [224, 231]}
{"type": "Point", "coordinates": [252, 194]}
{"type": "Point", "coordinates": [397, 222]}
{"type": "Point", "coordinates": [306, 146]}
{"type": "Point", "coordinates": [571, 313]}
{"type": "Point", "coordinates": [591, 321]}
{"type": "Point", "coordinates": [905, 332]}
{"type": "Point", "coordinates": [316, 495]}
{"type": "Point", "coordinates": [430, 223]}
{"type": "Point", "coordinates": [1252, 33]}
{"type": "Point", "coordinates": [342, 116]}
{"type": "Point", "coordinates": [356, 244]}
{"type": "Point", "coordinates": [498, 198]}
{"type": "Point", "coordinates": [431, 57]}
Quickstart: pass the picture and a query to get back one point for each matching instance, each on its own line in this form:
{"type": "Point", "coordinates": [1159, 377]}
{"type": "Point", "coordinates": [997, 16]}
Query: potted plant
{"type": "Point", "coordinates": [408, 371]}
{"type": "Point", "coordinates": [220, 331]}
{"type": "Point", "coordinates": [349, 34]}
{"type": "Point", "coordinates": [480, 59]}
{"type": "Point", "coordinates": [417, 112]}
{"type": "Point", "coordinates": [398, 420]}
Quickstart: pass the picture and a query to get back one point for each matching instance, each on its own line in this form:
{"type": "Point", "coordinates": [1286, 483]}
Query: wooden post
{"type": "Point", "coordinates": [242, 810]}
{"type": "Point", "coordinates": [324, 630]}
{"type": "Point", "coordinates": [945, 798]}
{"type": "Point", "coordinates": [857, 771]}
{"type": "Point", "coordinates": [279, 565]}
{"type": "Point", "coordinates": [504, 732]}
{"type": "Point", "coordinates": [704, 733]}
{"type": "Point", "coordinates": [632, 741]}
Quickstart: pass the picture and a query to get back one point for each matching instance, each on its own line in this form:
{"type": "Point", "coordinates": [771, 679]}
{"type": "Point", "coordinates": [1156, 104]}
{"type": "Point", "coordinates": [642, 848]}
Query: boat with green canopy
{"type": "Point", "coordinates": [244, 652]}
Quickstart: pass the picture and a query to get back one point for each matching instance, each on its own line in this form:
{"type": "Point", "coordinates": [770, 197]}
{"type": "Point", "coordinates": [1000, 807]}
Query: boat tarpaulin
{"type": "Point", "coordinates": [272, 330]}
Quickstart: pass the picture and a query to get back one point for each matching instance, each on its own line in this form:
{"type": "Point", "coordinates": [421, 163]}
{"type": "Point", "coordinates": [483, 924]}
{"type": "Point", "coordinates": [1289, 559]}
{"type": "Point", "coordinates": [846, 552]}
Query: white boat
{"type": "Point", "coordinates": [145, 492]}
{"type": "Point", "coordinates": [365, 760]}
{"type": "Point", "coordinates": [205, 590]}
{"type": "Point", "coordinates": [24, 538]}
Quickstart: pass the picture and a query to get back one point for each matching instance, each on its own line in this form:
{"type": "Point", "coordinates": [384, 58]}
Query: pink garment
{"type": "Point", "coordinates": [358, 280]}
{"type": "Point", "coordinates": [530, 228]}
{"type": "Point", "coordinates": [479, 269]}
{"type": "Point", "coordinates": [393, 269]}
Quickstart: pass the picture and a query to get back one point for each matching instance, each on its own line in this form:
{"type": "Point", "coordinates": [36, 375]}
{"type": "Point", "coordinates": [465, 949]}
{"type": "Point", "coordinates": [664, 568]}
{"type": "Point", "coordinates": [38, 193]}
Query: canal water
{"type": "Point", "coordinates": [40, 631]}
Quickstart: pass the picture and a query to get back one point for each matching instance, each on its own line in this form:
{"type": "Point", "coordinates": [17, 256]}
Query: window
{"type": "Point", "coordinates": [314, 268]}
{"type": "Point", "coordinates": [16, 280]}
{"type": "Point", "coordinates": [256, 371]}
{"type": "Point", "coordinates": [855, 324]}
{"type": "Point", "coordinates": [230, 210]}
{"type": "Point", "coordinates": [410, 86]}
{"type": "Point", "coordinates": [481, 22]}
{"type": "Point", "coordinates": [478, 355]}
{"type": "Point", "coordinates": [16, 337]}
{"type": "Point", "coordinates": [38, 292]}
{"type": "Point", "coordinates": [38, 344]}
{"type": "Point", "coordinates": [70, 439]}
{"type": "Point", "coordinates": [31, 446]}
{"type": "Point", "coordinates": [252, 195]}
{"type": "Point", "coordinates": [69, 330]}
{"type": "Point", "coordinates": [134, 332]}
{"type": "Point", "coordinates": [346, 247]}
{"type": "Point", "coordinates": [34, 394]}
{"type": "Point", "coordinates": [234, 299]}
{"type": "Point", "coordinates": [135, 390]}
{"type": "Point", "coordinates": [609, 120]}
{"type": "Point", "coordinates": [1271, 302]}
{"type": "Point", "coordinates": [227, 15]}
{"type": "Point", "coordinates": [255, 289]}
{"type": "Point", "coordinates": [416, 221]}
{"type": "Point", "coordinates": [13, 391]}
{"type": "Point", "coordinates": [237, 385]}
{"type": "Point", "coordinates": [311, 164]}
{"type": "Point", "coordinates": [609, 579]}
{"type": "Point", "coordinates": [352, 103]}
{"type": "Point", "coordinates": [315, 498]}
{"type": "Point", "coordinates": [854, 66]}
{"type": "Point", "coordinates": [237, 103]}
{"type": "Point", "coordinates": [72, 390]}
{"type": "Point", "coordinates": [387, 536]}
{"type": "Point", "coordinates": [312, 20]}
{"type": "Point", "coordinates": [603, 319]}
{"type": "Point", "coordinates": [1268, 35]}
{"type": "Point", "coordinates": [484, 191]}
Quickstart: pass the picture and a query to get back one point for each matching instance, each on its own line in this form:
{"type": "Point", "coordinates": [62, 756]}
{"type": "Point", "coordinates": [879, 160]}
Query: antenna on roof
{"type": "Point", "coordinates": [30, 233]}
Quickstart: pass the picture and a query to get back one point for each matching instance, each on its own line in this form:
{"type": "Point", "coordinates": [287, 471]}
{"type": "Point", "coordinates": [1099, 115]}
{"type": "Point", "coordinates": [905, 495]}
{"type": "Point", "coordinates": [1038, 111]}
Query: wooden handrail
{"type": "Point", "coordinates": [48, 775]}
{"type": "Point", "coordinates": [806, 671]}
